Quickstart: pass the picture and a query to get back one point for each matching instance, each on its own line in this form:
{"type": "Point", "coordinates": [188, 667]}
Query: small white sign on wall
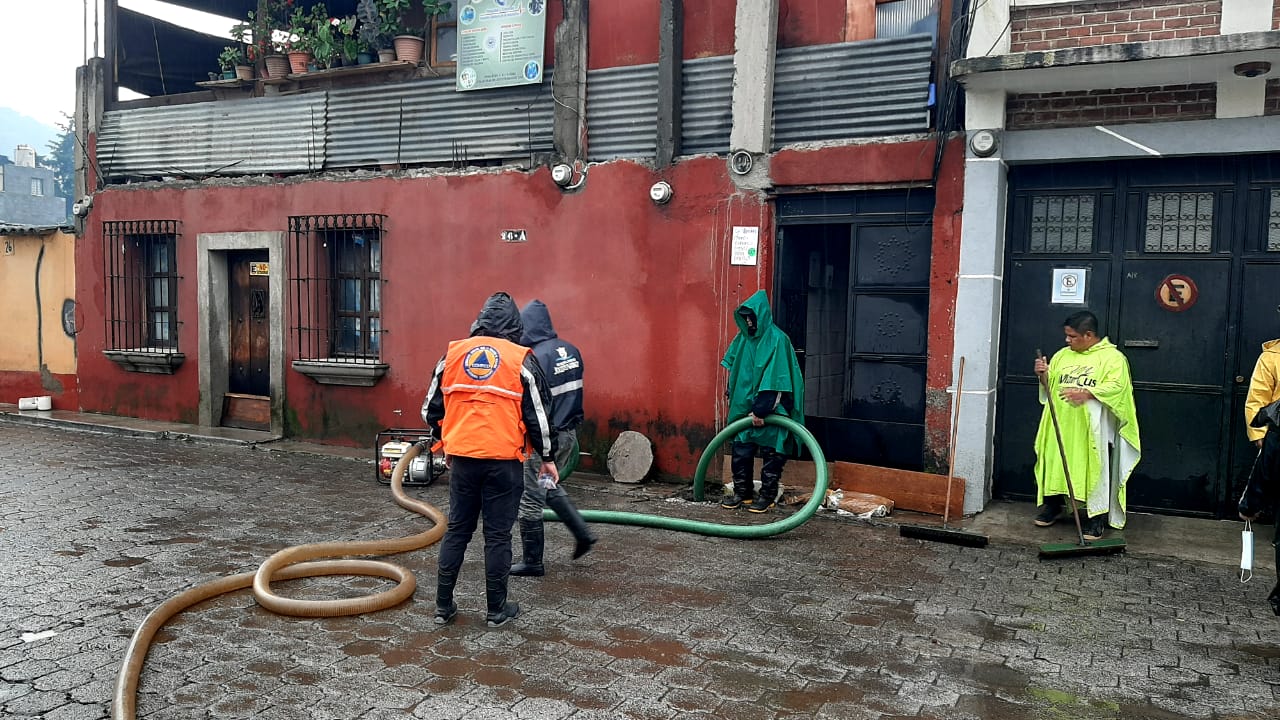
{"type": "Point", "coordinates": [1069, 286]}
{"type": "Point", "coordinates": [746, 244]}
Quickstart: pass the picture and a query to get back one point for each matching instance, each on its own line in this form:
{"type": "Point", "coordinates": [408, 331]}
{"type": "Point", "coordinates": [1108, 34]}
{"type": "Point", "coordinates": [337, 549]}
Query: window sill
{"type": "Point", "coordinates": [341, 372]}
{"type": "Point", "coordinates": [158, 362]}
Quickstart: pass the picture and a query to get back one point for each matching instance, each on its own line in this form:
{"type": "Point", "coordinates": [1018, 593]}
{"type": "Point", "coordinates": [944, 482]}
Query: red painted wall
{"type": "Point", "coordinates": [19, 384]}
{"type": "Point", "coordinates": [644, 290]}
{"type": "Point", "coordinates": [625, 32]}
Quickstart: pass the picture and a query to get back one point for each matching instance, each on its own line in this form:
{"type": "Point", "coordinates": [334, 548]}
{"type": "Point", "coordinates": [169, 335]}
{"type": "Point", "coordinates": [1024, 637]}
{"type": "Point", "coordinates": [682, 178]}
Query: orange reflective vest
{"type": "Point", "coordinates": [482, 395]}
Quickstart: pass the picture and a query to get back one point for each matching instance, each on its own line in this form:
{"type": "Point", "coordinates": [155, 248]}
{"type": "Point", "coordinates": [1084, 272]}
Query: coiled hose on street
{"type": "Point", "coordinates": [302, 560]}
{"type": "Point", "coordinates": [699, 476]}
{"type": "Point", "coordinates": [289, 564]}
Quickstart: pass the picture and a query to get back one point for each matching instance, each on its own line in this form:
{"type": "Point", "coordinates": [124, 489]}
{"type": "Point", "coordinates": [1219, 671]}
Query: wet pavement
{"type": "Point", "coordinates": [838, 618]}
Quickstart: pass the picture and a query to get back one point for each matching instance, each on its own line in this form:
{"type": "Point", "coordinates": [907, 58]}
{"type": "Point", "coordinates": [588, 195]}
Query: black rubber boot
{"type": "Point", "coordinates": [572, 519]}
{"type": "Point", "coordinates": [446, 608]}
{"type": "Point", "coordinates": [742, 461]}
{"type": "Point", "coordinates": [531, 536]}
{"type": "Point", "coordinates": [770, 479]}
{"type": "Point", "coordinates": [500, 609]}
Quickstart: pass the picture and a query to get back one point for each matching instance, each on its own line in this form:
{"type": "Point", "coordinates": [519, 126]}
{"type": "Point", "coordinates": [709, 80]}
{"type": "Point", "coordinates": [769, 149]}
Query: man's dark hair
{"type": "Point", "coordinates": [1083, 322]}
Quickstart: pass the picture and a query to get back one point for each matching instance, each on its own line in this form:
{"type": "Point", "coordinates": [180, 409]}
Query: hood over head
{"type": "Point", "coordinates": [499, 318]}
{"type": "Point", "coordinates": [537, 323]}
{"type": "Point", "coordinates": [758, 305]}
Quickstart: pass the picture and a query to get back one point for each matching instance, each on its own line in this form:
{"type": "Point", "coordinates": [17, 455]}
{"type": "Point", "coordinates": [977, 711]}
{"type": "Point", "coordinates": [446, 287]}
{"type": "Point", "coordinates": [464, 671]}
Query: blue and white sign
{"type": "Point", "coordinates": [500, 43]}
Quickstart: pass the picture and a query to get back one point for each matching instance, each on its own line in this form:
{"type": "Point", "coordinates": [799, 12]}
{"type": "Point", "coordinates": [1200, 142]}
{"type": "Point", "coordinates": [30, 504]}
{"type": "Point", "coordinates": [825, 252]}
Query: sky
{"type": "Point", "coordinates": [39, 76]}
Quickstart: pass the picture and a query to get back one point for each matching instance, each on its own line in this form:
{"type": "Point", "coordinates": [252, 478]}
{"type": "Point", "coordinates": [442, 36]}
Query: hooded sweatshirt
{"type": "Point", "coordinates": [1264, 387]}
{"type": "Point", "coordinates": [764, 376]}
{"type": "Point", "coordinates": [561, 363]}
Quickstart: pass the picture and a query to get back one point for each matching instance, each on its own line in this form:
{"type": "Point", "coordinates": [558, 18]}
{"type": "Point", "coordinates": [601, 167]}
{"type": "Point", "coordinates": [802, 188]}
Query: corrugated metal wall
{"type": "Point", "coordinates": [905, 17]}
{"type": "Point", "coordinates": [430, 122]}
{"type": "Point", "coordinates": [820, 92]}
{"type": "Point", "coordinates": [846, 90]}
{"type": "Point", "coordinates": [241, 137]}
{"type": "Point", "coordinates": [823, 92]}
{"type": "Point", "coordinates": [622, 103]}
{"type": "Point", "coordinates": [707, 117]}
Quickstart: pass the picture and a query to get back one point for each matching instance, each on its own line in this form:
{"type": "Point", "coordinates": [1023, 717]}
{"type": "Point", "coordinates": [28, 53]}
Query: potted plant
{"type": "Point", "coordinates": [369, 31]}
{"type": "Point", "coordinates": [228, 59]}
{"type": "Point", "coordinates": [348, 44]}
{"type": "Point", "coordinates": [264, 41]}
{"type": "Point", "coordinates": [302, 40]}
{"type": "Point", "coordinates": [325, 40]}
{"type": "Point", "coordinates": [407, 39]}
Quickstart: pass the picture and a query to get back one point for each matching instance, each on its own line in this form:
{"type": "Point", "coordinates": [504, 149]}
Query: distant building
{"type": "Point", "coordinates": [28, 193]}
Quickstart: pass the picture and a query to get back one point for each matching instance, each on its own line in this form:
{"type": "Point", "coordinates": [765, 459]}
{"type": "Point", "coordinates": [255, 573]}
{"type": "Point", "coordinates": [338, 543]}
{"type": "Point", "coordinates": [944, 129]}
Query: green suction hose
{"type": "Point", "coordinates": [615, 517]}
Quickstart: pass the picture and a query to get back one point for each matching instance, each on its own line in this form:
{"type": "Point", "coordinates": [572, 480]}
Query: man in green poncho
{"type": "Point", "coordinates": [1092, 394]}
{"type": "Point", "coordinates": [764, 378]}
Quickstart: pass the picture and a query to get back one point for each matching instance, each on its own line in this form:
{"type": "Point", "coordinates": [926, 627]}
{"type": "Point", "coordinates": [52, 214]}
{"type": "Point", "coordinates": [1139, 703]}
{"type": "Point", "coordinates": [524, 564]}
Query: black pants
{"type": "Point", "coordinates": [1263, 493]}
{"type": "Point", "coordinates": [488, 488]}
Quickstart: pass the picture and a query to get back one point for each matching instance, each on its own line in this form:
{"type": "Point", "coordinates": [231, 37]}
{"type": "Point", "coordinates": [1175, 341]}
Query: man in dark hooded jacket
{"type": "Point", "coordinates": [487, 405]}
{"type": "Point", "coordinates": [561, 364]}
{"type": "Point", "coordinates": [764, 379]}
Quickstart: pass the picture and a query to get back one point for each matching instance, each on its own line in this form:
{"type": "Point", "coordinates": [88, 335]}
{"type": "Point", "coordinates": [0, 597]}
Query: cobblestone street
{"type": "Point", "coordinates": [836, 619]}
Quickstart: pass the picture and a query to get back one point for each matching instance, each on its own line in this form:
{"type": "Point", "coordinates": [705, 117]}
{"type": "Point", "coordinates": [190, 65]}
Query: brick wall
{"type": "Point", "coordinates": [1100, 23]}
{"type": "Point", "coordinates": [1273, 98]}
{"type": "Point", "coordinates": [1275, 15]}
{"type": "Point", "coordinates": [1037, 111]}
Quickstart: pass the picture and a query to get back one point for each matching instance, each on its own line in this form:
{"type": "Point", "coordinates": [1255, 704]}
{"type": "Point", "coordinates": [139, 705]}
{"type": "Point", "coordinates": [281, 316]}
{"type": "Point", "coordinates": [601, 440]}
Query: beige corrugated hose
{"type": "Point", "coordinates": [288, 564]}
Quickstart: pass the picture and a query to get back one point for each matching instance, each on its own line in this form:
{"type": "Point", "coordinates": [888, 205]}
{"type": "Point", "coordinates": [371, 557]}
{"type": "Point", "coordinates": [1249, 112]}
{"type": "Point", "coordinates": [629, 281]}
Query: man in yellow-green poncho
{"type": "Point", "coordinates": [1092, 394]}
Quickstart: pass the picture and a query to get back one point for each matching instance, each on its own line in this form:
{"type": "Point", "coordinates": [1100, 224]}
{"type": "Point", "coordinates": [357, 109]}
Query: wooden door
{"type": "Point", "coordinates": [248, 400]}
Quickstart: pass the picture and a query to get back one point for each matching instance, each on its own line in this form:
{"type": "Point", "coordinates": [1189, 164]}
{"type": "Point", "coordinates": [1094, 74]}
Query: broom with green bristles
{"type": "Point", "coordinates": [1060, 550]}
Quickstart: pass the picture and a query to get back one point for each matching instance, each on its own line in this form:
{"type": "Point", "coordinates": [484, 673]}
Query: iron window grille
{"type": "Point", "coordinates": [141, 267]}
{"type": "Point", "coordinates": [336, 286]}
{"type": "Point", "coordinates": [1062, 224]}
{"type": "Point", "coordinates": [1179, 222]}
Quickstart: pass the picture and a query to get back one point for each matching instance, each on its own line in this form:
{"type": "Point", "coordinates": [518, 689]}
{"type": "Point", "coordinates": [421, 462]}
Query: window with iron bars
{"type": "Point", "coordinates": [141, 267]}
{"type": "Point", "coordinates": [336, 287]}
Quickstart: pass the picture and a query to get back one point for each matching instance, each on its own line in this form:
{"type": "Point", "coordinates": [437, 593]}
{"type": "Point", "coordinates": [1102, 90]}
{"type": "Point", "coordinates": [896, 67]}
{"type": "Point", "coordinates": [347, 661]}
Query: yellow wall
{"type": "Point", "coordinates": [28, 337]}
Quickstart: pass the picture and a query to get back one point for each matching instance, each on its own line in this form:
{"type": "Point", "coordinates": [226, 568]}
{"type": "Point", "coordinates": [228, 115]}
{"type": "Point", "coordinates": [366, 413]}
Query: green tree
{"type": "Point", "coordinates": [61, 159]}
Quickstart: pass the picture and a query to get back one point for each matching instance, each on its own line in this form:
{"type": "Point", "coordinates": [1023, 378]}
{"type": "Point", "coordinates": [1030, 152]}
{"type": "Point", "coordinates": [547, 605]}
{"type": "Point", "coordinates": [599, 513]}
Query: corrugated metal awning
{"type": "Point", "coordinates": [241, 137]}
{"type": "Point", "coordinates": [429, 122]}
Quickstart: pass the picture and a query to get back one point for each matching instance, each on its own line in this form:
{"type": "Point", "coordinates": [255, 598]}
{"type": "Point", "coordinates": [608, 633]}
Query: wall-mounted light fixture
{"type": "Point", "coordinates": [661, 192]}
{"type": "Point", "coordinates": [1252, 69]}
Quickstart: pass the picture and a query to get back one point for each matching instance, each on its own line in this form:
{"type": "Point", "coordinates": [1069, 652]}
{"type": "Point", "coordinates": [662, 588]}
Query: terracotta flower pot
{"type": "Point", "coordinates": [387, 55]}
{"type": "Point", "coordinates": [277, 66]}
{"type": "Point", "coordinates": [298, 61]}
{"type": "Point", "coordinates": [409, 47]}
{"type": "Point", "coordinates": [244, 72]}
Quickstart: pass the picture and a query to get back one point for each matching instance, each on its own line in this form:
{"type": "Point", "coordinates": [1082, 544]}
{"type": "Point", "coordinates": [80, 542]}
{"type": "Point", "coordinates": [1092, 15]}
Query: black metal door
{"type": "Point", "coordinates": [853, 295]}
{"type": "Point", "coordinates": [1178, 358]}
{"type": "Point", "coordinates": [1183, 258]}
